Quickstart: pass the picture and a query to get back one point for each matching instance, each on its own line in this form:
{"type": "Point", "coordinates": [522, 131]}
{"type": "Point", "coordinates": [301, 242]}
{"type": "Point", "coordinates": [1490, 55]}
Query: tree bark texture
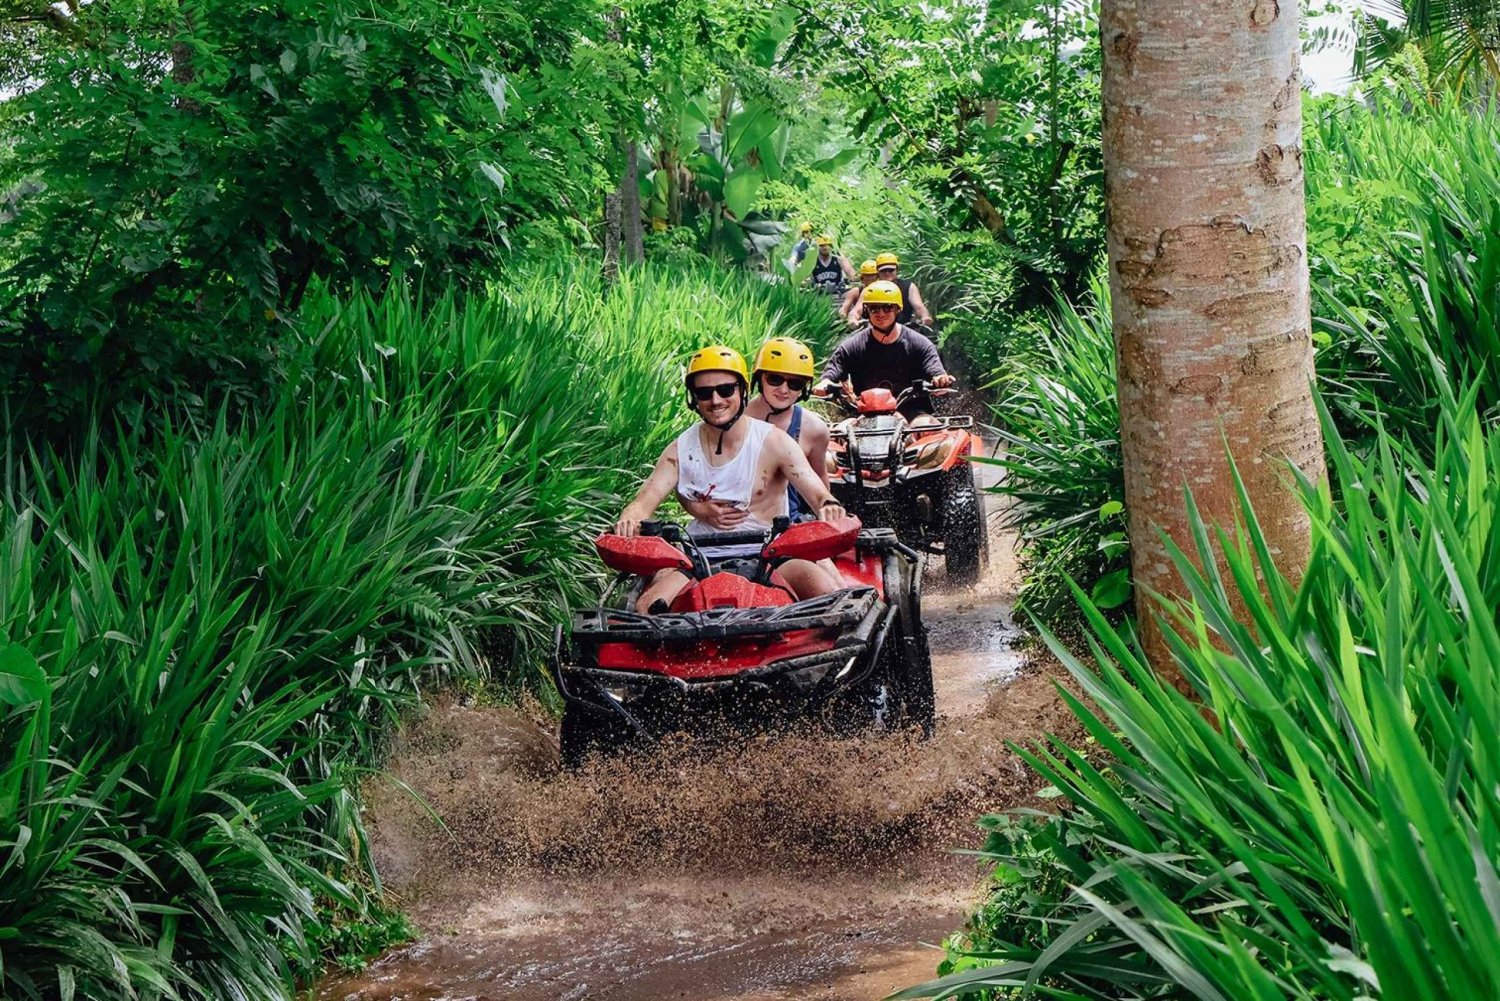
{"type": "Point", "coordinates": [611, 267]}
{"type": "Point", "coordinates": [1208, 268]}
{"type": "Point", "coordinates": [633, 230]}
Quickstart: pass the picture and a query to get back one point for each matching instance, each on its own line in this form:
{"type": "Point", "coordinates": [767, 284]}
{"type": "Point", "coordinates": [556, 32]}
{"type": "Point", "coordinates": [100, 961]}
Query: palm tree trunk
{"type": "Point", "coordinates": [1208, 266]}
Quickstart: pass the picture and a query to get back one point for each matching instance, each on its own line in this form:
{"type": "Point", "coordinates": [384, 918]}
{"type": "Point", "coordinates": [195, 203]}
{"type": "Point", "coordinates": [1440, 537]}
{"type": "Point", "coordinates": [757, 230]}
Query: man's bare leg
{"type": "Point", "coordinates": [808, 580]}
{"type": "Point", "coordinates": [664, 586]}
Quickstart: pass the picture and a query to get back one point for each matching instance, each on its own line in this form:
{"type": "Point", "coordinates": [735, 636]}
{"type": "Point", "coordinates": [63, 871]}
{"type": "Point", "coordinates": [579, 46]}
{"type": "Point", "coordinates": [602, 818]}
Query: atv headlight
{"type": "Point", "coordinates": [928, 456]}
{"type": "Point", "coordinates": [623, 691]}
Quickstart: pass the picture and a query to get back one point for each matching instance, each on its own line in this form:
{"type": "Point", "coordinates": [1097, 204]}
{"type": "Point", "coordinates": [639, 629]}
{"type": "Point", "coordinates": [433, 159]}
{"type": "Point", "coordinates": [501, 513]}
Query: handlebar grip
{"type": "Point", "coordinates": [652, 527]}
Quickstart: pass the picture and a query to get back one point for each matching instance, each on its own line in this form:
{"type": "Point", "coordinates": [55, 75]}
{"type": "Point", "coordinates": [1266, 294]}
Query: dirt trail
{"type": "Point", "coordinates": [788, 868]}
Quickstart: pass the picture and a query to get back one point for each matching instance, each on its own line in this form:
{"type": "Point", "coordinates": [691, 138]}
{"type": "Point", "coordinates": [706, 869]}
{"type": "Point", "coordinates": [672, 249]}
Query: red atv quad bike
{"type": "Point", "coordinates": [735, 650]}
{"type": "Point", "coordinates": [917, 480]}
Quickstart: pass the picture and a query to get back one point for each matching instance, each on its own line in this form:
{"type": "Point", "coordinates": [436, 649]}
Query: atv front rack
{"type": "Point", "coordinates": [836, 610]}
{"type": "Point", "coordinates": [942, 424]}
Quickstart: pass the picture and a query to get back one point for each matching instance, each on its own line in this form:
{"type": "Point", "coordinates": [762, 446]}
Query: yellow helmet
{"type": "Point", "coordinates": [883, 292]}
{"type": "Point", "coordinates": [867, 268]}
{"type": "Point", "coordinates": [805, 228]}
{"type": "Point", "coordinates": [784, 356]}
{"type": "Point", "coordinates": [887, 260]}
{"type": "Point", "coordinates": [717, 358]}
{"type": "Point", "coordinates": [825, 240]}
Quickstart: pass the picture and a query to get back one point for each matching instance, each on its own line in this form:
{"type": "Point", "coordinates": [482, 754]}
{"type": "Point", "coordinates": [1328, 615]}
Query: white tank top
{"type": "Point", "coordinates": [733, 482]}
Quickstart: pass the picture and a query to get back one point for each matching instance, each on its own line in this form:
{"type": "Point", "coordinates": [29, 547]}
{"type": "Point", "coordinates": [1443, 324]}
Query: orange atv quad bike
{"type": "Point", "coordinates": [915, 479]}
{"type": "Point", "coordinates": [736, 649]}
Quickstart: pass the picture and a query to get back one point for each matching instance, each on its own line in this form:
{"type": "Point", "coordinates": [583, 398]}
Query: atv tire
{"type": "Point", "coordinates": [918, 697]}
{"type": "Point", "coordinates": [584, 734]}
{"type": "Point", "coordinates": [913, 661]}
{"type": "Point", "coordinates": [964, 544]}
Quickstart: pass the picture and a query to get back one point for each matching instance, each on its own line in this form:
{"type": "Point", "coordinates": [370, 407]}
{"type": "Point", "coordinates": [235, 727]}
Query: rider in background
{"type": "Point", "coordinates": [912, 306]}
{"type": "Point", "coordinates": [830, 271]}
{"type": "Point", "coordinates": [802, 246]}
{"type": "Point", "coordinates": [885, 353]}
{"type": "Point", "coordinates": [784, 375]}
{"type": "Point", "coordinates": [850, 309]}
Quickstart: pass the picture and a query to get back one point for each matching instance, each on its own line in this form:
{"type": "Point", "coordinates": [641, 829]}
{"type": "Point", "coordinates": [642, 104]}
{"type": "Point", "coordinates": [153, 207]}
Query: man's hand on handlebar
{"type": "Point", "coordinates": [943, 381]}
{"type": "Point", "coordinates": [627, 527]}
{"type": "Point", "coordinates": [824, 389]}
{"type": "Point", "coordinates": [831, 511]}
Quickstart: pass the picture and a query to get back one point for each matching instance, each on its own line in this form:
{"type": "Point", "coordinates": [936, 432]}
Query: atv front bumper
{"type": "Point", "coordinates": [650, 703]}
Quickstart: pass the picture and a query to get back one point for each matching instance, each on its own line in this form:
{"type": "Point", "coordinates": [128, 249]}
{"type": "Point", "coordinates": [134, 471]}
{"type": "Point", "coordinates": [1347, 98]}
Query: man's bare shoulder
{"type": "Point", "coordinates": [779, 440]}
{"type": "Point", "coordinates": [813, 424]}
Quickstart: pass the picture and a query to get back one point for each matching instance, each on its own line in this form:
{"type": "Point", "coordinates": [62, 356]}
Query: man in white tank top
{"type": "Point", "coordinates": [743, 464]}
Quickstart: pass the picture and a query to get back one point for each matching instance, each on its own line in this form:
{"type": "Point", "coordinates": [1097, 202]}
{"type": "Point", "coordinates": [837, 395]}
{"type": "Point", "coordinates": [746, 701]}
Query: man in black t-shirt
{"type": "Point", "coordinates": [885, 353]}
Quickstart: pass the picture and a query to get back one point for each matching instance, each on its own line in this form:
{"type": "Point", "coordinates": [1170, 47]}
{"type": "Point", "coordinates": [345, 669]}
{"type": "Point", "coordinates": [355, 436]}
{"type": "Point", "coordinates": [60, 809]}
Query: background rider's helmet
{"type": "Point", "coordinates": [887, 260]}
{"type": "Point", "coordinates": [785, 356]}
{"type": "Point", "coordinates": [825, 240]}
{"type": "Point", "coordinates": [883, 293]}
{"type": "Point", "coordinates": [805, 229]}
{"type": "Point", "coordinates": [717, 358]}
{"type": "Point", "coordinates": [867, 268]}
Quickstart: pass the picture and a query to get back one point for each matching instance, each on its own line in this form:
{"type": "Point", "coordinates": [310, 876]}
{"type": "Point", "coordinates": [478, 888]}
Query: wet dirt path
{"type": "Point", "coordinates": [787, 868]}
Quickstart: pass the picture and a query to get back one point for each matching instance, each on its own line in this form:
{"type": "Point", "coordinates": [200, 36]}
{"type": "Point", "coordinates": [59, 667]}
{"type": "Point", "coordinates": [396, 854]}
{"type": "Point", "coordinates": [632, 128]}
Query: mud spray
{"type": "Point", "coordinates": [800, 866]}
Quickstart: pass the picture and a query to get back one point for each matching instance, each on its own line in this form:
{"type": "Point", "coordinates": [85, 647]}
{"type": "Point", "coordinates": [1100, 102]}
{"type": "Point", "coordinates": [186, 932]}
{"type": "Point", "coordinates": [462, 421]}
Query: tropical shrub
{"type": "Point", "coordinates": [1317, 818]}
{"type": "Point", "coordinates": [177, 176]}
{"type": "Point", "coordinates": [1059, 420]}
{"type": "Point", "coordinates": [205, 627]}
{"type": "Point", "coordinates": [1404, 242]}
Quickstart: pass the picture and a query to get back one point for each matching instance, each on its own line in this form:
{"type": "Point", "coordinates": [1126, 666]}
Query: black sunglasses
{"type": "Point", "coordinates": [792, 382]}
{"type": "Point", "coordinates": [881, 307]}
{"type": "Point", "coordinates": [705, 393]}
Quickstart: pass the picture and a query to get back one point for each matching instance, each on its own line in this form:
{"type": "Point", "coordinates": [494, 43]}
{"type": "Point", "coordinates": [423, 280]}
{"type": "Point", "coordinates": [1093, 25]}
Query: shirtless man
{"type": "Point", "coordinates": [744, 465]}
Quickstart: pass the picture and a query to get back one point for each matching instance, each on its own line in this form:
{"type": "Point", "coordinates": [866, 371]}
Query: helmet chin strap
{"type": "Point", "coordinates": [775, 410]}
{"type": "Point", "coordinates": [723, 429]}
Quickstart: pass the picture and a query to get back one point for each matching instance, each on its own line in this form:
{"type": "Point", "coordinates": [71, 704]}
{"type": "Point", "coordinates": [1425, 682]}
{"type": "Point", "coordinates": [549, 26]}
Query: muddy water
{"type": "Point", "coordinates": [777, 868]}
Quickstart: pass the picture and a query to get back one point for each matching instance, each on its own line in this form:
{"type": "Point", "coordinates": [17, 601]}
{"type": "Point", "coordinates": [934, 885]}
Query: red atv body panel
{"type": "Point", "coordinates": [714, 659]}
{"type": "Point", "coordinates": [877, 401]}
{"type": "Point", "coordinates": [727, 590]}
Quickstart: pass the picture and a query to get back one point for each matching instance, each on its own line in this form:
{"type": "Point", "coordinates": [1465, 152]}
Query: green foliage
{"type": "Point", "coordinates": [1319, 818]}
{"type": "Point", "coordinates": [346, 939]}
{"type": "Point", "coordinates": [994, 108]}
{"type": "Point", "coordinates": [1460, 41]}
{"type": "Point", "coordinates": [204, 629]}
{"type": "Point", "coordinates": [187, 171]}
{"type": "Point", "coordinates": [972, 283]}
{"type": "Point", "coordinates": [1027, 886]}
{"type": "Point", "coordinates": [1063, 467]}
{"type": "Point", "coordinates": [1415, 304]}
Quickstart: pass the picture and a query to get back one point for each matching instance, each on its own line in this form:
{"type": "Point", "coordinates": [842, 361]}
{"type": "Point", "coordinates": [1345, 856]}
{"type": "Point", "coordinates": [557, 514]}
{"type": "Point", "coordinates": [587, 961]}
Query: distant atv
{"type": "Point", "coordinates": [736, 650]}
{"type": "Point", "coordinates": [917, 480]}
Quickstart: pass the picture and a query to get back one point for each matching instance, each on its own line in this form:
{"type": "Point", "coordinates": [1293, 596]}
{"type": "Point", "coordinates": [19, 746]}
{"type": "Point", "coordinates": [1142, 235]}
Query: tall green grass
{"type": "Point", "coordinates": [205, 630]}
{"type": "Point", "coordinates": [1321, 818]}
{"type": "Point", "coordinates": [1060, 424]}
{"type": "Point", "coordinates": [1404, 209]}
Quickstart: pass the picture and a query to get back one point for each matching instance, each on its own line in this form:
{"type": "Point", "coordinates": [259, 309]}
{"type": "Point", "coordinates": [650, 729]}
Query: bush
{"type": "Point", "coordinates": [1318, 818]}
{"type": "Point", "coordinates": [1406, 249]}
{"type": "Point", "coordinates": [205, 629]}
{"type": "Point", "coordinates": [970, 282]}
{"type": "Point", "coordinates": [1060, 423]}
{"type": "Point", "coordinates": [183, 173]}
